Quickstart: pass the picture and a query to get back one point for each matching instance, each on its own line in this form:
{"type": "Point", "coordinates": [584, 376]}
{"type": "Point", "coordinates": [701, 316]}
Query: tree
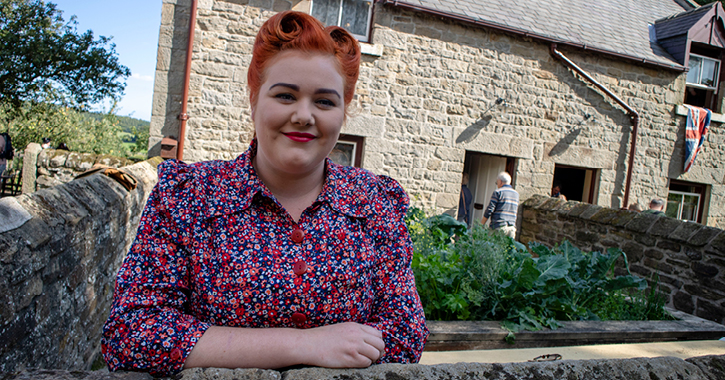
{"type": "Point", "coordinates": [43, 58]}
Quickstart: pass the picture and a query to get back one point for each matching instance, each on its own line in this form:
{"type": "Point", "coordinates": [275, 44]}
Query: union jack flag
{"type": "Point", "coordinates": [698, 121]}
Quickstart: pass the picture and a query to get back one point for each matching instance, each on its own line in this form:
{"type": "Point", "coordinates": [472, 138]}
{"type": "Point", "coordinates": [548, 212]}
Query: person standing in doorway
{"type": "Point", "coordinates": [3, 160]}
{"type": "Point", "coordinates": [464, 203]}
{"type": "Point", "coordinates": [503, 207]}
{"type": "Point", "coordinates": [556, 191]}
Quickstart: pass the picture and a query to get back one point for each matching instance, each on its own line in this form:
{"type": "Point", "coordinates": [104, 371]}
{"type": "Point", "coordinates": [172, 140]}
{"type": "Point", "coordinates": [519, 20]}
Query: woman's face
{"type": "Point", "coordinates": [299, 113]}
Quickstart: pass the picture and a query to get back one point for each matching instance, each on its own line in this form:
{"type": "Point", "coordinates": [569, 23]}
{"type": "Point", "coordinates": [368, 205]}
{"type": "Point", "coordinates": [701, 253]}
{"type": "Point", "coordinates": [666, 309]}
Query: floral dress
{"type": "Point", "coordinates": [214, 247]}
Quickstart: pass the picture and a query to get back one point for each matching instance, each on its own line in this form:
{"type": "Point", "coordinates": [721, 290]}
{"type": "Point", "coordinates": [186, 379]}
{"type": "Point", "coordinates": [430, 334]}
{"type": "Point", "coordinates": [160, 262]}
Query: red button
{"type": "Point", "coordinates": [298, 235]}
{"type": "Point", "coordinates": [299, 318]}
{"type": "Point", "coordinates": [300, 267]}
{"type": "Point", "coordinates": [175, 354]}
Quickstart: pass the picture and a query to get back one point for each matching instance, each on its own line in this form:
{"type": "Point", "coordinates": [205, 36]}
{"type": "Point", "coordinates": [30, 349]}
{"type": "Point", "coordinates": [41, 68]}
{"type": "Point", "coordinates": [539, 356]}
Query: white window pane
{"type": "Point", "coordinates": [355, 16]}
{"type": "Point", "coordinates": [709, 71]}
{"type": "Point", "coordinates": [326, 11]}
{"type": "Point", "coordinates": [693, 76]}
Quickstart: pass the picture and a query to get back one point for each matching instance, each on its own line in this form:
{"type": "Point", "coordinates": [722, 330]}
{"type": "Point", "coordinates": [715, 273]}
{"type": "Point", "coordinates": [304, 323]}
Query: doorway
{"type": "Point", "coordinates": [482, 170]}
{"type": "Point", "coordinates": [577, 184]}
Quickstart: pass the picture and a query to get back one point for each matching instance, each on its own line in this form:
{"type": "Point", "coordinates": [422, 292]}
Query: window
{"type": "Point", "coordinates": [353, 15]}
{"type": "Point", "coordinates": [685, 201]}
{"type": "Point", "coordinates": [702, 81]}
{"type": "Point", "coordinates": [703, 72]}
{"type": "Point", "coordinates": [575, 183]}
{"type": "Point", "coordinates": [347, 151]}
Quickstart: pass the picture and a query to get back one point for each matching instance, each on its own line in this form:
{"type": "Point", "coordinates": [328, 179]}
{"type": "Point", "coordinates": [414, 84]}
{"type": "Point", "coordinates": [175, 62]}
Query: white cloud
{"type": "Point", "coordinates": [145, 78]}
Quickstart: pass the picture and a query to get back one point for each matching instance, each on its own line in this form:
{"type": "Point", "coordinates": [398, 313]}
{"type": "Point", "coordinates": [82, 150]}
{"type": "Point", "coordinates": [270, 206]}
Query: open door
{"type": "Point", "coordinates": [483, 170]}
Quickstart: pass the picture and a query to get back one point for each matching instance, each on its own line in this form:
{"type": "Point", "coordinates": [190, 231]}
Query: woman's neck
{"type": "Point", "coordinates": [294, 192]}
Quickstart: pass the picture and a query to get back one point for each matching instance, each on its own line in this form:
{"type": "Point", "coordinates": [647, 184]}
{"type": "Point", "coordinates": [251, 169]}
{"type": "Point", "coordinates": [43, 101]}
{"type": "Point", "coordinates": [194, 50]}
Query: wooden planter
{"type": "Point", "coordinates": [484, 335]}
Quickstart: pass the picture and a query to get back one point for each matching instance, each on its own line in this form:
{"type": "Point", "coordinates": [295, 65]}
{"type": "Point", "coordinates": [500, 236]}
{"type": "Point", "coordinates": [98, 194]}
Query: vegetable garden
{"type": "Point", "coordinates": [478, 274]}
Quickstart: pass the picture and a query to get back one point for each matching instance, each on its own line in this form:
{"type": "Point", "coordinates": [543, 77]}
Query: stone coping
{"type": "Point", "coordinates": [697, 368]}
{"type": "Point", "coordinates": [483, 335]}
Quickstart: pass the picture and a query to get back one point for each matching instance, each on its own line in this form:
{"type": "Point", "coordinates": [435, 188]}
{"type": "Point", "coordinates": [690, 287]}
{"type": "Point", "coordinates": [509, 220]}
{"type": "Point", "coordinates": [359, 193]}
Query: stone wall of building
{"type": "Point", "coordinates": [426, 96]}
{"type": "Point", "coordinates": [60, 249]}
{"type": "Point", "coordinates": [688, 258]}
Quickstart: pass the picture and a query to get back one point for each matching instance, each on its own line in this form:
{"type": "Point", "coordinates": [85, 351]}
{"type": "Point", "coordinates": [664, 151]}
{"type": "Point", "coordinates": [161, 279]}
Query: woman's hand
{"type": "Point", "coordinates": [344, 345]}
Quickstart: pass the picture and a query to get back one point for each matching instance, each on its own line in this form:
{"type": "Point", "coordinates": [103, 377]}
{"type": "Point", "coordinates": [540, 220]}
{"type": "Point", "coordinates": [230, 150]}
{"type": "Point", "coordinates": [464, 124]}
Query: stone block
{"type": "Point", "coordinates": [604, 215]}
{"type": "Point", "coordinates": [704, 270]}
{"type": "Point", "coordinates": [641, 222]}
{"type": "Point", "coordinates": [577, 210]}
{"type": "Point", "coordinates": [654, 253]}
{"type": "Point", "coordinates": [717, 245]}
{"type": "Point", "coordinates": [692, 254]}
{"type": "Point", "coordinates": [622, 218]}
{"type": "Point", "coordinates": [703, 236]}
{"type": "Point", "coordinates": [711, 311]}
{"type": "Point", "coordinates": [664, 226]}
{"type": "Point", "coordinates": [685, 231]}
{"type": "Point", "coordinates": [669, 246]}
{"type": "Point", "coordinates": [683, 302]}
{"type": "Point", "coordinates": [634, 251]}
{"type": "Point", "coordinates": [590, 212]}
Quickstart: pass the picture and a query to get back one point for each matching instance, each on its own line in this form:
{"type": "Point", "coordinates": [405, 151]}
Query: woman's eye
{"type": "Point", "coordinates": [285, 96]}
{"type": "Point", "coordinates": [326, 103]}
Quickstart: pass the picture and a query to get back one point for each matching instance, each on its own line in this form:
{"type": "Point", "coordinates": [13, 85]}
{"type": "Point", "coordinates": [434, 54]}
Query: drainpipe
{"type": "Point", "coordinates": [183, 116]}
{"type": "Point", "coordinates": [634, 116]}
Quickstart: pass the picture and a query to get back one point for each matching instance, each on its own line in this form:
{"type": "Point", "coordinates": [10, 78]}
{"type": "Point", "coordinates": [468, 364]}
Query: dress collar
{"type": "Point", "coordinates": [235, 190]}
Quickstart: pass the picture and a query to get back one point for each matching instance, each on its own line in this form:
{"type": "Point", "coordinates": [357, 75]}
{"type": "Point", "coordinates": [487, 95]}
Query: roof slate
{"type": "Point", "coordinates": [678, 24]}
{"type": "Point", "coordinates": [616, 26]}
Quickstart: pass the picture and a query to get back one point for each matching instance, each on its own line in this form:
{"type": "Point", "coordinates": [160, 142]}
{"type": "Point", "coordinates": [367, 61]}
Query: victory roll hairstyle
{"type": "Point", "coordinates": [292, 30]}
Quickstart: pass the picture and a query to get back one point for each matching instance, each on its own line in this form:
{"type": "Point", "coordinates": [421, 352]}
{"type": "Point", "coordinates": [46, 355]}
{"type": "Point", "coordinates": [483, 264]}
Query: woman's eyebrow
{"type": "Point", "coordinates": [292, 86]}
{"type": "Point", "coordinates": [297, 88]}
{"type": "Point", "coordinates": [328, 91]}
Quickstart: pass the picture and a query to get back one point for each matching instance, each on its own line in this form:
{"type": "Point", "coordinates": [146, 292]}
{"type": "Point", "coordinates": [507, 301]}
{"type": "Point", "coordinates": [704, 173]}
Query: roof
{"type": "Point", "coordinates": [618, 27]}
{"type": "Point", "coordinates": [681, 23]}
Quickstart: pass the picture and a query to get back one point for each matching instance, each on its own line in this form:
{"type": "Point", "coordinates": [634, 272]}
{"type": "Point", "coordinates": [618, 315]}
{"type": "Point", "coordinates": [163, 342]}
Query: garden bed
{"type": "Point", "coordinates": [484, 335]}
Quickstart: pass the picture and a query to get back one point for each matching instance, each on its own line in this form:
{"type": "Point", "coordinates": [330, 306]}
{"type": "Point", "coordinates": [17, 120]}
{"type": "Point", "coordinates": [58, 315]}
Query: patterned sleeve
{"type": "Point", "coordinates": [397, 311]}
{"type": "Point", "coordinates": [149, 328]}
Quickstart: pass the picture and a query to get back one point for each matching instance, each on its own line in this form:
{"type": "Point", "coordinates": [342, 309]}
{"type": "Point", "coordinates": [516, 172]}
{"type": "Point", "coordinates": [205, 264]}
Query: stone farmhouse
{"type": "Point", "coordinates": [589, 94]}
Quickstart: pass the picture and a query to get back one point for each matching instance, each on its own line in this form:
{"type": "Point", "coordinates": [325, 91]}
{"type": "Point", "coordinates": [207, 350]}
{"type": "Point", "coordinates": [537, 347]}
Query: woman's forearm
{"type": "Point", "coordinates": [345, 345]}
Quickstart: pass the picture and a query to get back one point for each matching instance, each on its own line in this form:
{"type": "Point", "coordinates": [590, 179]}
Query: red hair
{"type": "Point", "coordinates": [292, 30]}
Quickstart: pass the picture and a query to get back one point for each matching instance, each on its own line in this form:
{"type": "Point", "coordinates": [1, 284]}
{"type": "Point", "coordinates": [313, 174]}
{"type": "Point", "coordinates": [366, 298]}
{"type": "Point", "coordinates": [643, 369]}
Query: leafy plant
{"type": "Point", "coordinates": [483, 275]}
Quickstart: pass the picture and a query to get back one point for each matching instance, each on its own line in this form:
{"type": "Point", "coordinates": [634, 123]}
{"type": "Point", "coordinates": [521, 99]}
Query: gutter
{"type": "Point", "coordinates": [527, 34]}
{"type": "Point", "coordinates": [183, 116]}
{"type": "Point", "coordinates": [634, 115]}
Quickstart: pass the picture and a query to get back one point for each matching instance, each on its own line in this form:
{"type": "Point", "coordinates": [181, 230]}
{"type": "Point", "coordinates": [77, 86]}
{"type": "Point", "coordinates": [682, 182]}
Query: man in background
{"type": "Point", "coordinates": [656, 206]}
{"type": "Point", "coordinates": [503, 207]}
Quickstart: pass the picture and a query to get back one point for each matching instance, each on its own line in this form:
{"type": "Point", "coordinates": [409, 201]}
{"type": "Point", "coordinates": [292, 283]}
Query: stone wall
{"type": "Point", "coordinates": [60, 249]}
{"type": "Point", "coordinates": [688, 258]}
{"type": "Point", "coordinates": [53, 167]}
{"type": "Point", "coordinates": [669, 368]}
{"type": "Point", "coordinates": [424, 99]}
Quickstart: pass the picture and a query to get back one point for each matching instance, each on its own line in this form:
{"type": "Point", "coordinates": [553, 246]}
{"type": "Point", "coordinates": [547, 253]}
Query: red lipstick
{"type": "Point", "coordinates": [299, 136]}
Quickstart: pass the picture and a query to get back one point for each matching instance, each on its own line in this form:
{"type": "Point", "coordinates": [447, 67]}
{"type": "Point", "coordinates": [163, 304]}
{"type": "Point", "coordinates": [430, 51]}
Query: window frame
{"type": "Point", "coordinates": [716, 76]}
{"type": "Point", "coordinates": [358, 143]}
{"type": "Point", "coordinates": [697, 189]}
{"type": "Point", "coordinates": [368, 25]}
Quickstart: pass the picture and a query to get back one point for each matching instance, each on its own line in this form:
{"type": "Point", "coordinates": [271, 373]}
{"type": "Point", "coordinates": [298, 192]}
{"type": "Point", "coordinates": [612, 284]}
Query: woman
{"type": "Point", "coordinates": [279, 257]}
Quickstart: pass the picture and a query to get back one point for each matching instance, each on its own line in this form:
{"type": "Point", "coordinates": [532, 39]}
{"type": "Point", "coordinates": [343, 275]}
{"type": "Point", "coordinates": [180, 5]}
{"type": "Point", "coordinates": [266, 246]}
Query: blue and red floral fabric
{"type": "Point", "coordinates": [214, 247]}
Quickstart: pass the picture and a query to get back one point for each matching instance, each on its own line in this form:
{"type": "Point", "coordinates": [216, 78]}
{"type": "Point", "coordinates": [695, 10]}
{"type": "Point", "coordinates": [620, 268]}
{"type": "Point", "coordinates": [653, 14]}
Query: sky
{"type": "Point", "coordinates": [134, 26]}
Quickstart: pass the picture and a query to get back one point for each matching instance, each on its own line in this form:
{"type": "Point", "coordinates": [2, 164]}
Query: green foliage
{"type": "Point", "coordinates": [483, 275]}
{"type": "Point", "coordinates": [45, 59]}
{"type": "Point", "coordinates": [100, 133]}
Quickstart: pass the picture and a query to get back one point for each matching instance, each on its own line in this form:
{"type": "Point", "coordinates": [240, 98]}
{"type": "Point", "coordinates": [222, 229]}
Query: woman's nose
{"type": "Point", "coordinates": [303, 114]}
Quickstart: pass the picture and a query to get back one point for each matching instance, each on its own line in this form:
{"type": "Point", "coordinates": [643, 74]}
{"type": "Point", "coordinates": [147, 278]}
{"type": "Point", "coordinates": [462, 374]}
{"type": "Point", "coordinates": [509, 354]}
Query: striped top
{"type": "Point", "coordinates": [503, 207]}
